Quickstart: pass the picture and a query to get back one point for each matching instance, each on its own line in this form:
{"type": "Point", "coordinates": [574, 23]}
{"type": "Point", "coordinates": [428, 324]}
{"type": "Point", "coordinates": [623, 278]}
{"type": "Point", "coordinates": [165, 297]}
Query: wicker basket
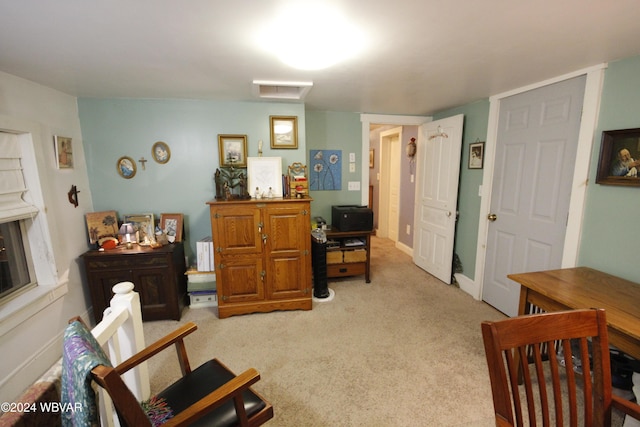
{"type": "Point", "coordinates": [334, 257]}
{"type": "Point", "coordinates": [356, 255]}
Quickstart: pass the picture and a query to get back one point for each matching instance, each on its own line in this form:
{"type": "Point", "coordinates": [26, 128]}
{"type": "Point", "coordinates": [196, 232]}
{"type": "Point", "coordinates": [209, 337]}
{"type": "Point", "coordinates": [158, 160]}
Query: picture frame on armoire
{"type": "Point", "coordinates": [144, 224]}
{"type": "Point", "coordinates": [172, 224]}
{"type": "Point", "coordinates": [101, 224]}
{"type": "Point", "coordinates": [264, 174]}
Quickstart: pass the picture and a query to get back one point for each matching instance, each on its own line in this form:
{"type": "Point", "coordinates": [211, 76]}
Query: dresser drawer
{"type": "Point", "coordinates": [351, 269]}
{"type": "Point", "coordinates": [125, 261]}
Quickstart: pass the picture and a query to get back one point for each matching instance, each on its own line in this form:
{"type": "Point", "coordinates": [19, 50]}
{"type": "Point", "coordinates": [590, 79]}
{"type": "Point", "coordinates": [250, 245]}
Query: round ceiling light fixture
{"type": "Point", "coordinates": [312, 36]}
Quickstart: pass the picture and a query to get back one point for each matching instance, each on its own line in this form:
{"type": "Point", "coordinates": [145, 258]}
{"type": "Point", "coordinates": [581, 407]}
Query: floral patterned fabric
{"type": "Point", "coordinates": [157, 410]}
{"type": "Point", "coordinates": [80, 354]}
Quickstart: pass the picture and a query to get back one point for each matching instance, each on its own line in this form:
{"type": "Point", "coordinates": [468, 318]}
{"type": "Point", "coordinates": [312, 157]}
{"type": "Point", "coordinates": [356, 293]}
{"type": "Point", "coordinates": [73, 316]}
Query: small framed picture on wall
{"type": "Point", "coordinates": [232, 150]}
{"type": "Point", "coordinates": [619, 160]}
{"type": "Point", "coordinates": [64, 152]}
{"type": "Point", "coordinates": [284, 131]}
{"type": "Point", "coordinates": [476, 155]}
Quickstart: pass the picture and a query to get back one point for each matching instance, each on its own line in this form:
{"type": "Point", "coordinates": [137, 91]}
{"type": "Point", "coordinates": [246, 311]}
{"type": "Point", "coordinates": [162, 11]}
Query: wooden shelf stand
{"type": "Point", "coordinates": [348, 260]}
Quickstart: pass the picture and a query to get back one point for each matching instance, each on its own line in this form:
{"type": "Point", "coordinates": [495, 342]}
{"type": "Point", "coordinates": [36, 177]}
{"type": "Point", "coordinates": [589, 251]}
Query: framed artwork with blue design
{"type": "Point", "coordinates": [326, 170]}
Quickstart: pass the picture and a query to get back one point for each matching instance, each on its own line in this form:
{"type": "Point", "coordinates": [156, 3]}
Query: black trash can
{"type": "Point", "coordinates": [319, 263]}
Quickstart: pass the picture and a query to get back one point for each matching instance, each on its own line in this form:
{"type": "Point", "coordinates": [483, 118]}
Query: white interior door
{"type": "Point", "coordinates": [437, 176]}
{"type": "Point", "coordinates": [389, 189]}
{"type": "Point", "coordinates": [394, 187]}
{"type": "Point", "coordinates": [536, 146]}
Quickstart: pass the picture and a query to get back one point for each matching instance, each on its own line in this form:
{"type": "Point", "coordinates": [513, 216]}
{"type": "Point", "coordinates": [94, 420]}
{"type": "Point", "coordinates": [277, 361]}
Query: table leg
{"type": "Point", "coordinates": [367, 268]}
{"type": "Point", "coordinates": [523, 308]}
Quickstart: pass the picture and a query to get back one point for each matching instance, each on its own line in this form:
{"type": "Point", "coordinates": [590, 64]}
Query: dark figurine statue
{"type": "Point", "coordinates": [231, 183]}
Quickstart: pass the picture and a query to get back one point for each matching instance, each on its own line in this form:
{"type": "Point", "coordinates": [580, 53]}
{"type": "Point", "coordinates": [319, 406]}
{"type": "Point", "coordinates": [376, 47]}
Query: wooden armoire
{"type": "Point", "coordinates": [262, 255]}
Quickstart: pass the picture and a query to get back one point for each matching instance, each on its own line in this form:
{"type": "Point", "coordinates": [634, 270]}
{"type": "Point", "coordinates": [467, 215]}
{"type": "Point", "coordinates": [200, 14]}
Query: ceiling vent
{"type": "Point", "coordinates": [281, 90]}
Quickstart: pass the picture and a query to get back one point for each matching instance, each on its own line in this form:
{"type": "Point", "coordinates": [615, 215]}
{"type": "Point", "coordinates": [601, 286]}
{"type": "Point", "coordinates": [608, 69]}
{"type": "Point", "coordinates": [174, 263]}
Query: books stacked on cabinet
{"type": "Point", "coordinates": [296, 184]}
{"type": "Point", "coordinates": [201, 287]}
{"type": "Point", "coordinates": [204, 254]}
{"type": "Point", "coordinates": [201, 282]}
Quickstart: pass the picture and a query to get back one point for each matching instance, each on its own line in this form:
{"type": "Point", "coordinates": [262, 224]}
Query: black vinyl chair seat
{"type": "Point", "coordinates": [202, 381]}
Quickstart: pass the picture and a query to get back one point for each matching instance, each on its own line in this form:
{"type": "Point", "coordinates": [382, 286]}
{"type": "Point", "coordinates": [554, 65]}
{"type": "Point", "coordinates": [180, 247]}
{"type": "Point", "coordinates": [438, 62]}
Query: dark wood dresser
{"type": "Point", "coordinates": [158, 275]}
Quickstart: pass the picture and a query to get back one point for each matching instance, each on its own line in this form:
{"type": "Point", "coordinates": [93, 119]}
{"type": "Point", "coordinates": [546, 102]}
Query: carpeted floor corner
{"type": "Point", "coordinates": [404, 350]}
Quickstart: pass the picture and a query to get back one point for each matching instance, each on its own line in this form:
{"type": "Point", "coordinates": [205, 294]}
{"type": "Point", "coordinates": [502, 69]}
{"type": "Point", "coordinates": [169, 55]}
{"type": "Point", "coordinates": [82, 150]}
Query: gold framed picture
{"type": "Point", "coordinates": [144, 226]}
{"type": "Point", "coordinates": [172, 224]}
{"type": "Point", "coordinates": [232, 150]}
{"type": "Point", "coordinates": [619, 160]}
{"type": "Point", "coordinates": [126, 167]}
{"type": "Point", "coordinates": [161, 152]}
{"type": "Point", "coordinates": [101, 224]}
{"type": "Point", "coordinates": [476, 155]}
{"type": "Point", "coordinates": [64, 152]}
{"type": "Point", "coordinates": [284, 131]}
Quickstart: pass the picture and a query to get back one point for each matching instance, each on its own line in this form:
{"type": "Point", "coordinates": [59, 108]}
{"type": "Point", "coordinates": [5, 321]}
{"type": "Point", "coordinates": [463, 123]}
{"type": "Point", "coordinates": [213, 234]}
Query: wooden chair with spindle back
{"type": "Point", "coordinates": [534, 376]}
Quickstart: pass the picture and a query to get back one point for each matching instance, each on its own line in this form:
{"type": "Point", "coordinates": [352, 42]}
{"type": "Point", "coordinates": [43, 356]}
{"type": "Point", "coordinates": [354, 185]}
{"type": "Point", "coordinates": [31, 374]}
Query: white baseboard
{"type": "Point", "coordinates": [468, 285]}
{"type": "Point", "coordinates": [404, 248]}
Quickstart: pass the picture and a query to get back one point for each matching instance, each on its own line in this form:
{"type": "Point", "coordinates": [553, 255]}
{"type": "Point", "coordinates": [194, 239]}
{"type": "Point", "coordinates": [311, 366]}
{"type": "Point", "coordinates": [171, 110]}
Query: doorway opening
{"type": "Point", "coordinates": [389, 188]}
{"type": "Point", "coordinates": [373, 125]}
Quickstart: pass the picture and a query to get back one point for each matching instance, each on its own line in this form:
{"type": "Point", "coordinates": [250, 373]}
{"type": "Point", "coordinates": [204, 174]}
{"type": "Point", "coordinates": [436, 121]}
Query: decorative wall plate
{"type": "Point", "coordinates": [126, 167]}
{"type": "Point", "coordinates": [161, 152]}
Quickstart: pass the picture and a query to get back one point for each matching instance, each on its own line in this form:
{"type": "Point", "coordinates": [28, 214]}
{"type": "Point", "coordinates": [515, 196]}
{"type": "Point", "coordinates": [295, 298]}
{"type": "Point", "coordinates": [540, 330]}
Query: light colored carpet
{"type": "Point", "coordinates": [404, 350]}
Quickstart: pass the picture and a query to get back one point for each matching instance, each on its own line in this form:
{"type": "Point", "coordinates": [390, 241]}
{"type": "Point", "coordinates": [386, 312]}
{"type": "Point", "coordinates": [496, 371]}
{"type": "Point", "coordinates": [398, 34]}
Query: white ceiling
{"type": "Point", "coordinates": [424, 55]}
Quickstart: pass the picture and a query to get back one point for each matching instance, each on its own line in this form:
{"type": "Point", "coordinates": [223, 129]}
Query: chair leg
{"type": "Point", "coordinates": [238, 402]}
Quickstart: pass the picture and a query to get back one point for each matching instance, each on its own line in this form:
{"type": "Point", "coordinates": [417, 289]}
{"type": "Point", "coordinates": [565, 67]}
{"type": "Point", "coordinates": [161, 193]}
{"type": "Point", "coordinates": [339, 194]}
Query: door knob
{"type": "Point", "coordinates": [492, 217]}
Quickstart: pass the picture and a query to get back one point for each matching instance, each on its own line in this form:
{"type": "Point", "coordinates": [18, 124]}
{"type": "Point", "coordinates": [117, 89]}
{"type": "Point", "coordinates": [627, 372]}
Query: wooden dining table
{"type": "Point", "coordinates": [584, 287]}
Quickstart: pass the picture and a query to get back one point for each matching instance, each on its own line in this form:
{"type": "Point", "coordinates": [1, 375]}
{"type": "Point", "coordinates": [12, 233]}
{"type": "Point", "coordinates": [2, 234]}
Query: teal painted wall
{"type": "Point", "coordinates": [611, 231]}
{"type": "Point", "coordinates": [113, 128]}
{"type": "Point", "coordinates": [335, 131]}
{"type": "Point", "coordinates": [476, 118]}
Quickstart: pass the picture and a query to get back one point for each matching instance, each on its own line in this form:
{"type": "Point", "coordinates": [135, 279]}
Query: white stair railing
{"type": "Point", "coordinates": [121, 329]}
